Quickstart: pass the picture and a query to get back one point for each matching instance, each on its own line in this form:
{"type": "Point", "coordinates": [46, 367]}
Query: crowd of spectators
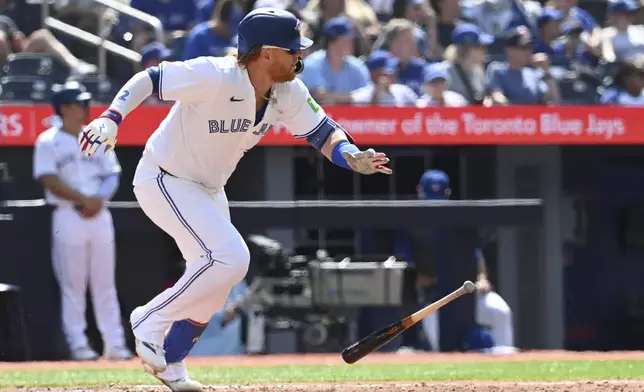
{"type": "Point", "coordinates": [384, 52]}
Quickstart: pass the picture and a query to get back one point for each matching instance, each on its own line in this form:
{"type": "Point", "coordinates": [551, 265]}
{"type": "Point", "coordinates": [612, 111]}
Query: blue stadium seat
{"type": "Point", "coordinates": [31, 64]}
{"type": "Point", "coordinates": [25, 88]}
{"type": "Point", "coordinates": [103, 89]}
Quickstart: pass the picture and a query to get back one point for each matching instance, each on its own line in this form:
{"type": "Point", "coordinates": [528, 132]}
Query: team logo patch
{"type": "Point", "coordinates": [312, 104]}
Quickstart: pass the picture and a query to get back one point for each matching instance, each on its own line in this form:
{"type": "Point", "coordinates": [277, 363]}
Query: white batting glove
{"type": "Point", "coordinates": [367, 162]}
{"type": "Point", "coordinates": [101, 131]}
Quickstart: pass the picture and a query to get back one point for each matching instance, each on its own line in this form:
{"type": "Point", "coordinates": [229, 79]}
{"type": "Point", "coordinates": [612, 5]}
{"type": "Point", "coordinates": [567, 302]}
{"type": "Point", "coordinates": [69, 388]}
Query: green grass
{"type": "Point", "coordinates": [506, 371]}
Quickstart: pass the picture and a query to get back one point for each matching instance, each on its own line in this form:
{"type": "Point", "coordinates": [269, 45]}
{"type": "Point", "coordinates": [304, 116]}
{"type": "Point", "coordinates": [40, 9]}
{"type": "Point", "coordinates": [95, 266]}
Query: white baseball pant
{"type": "Point", "coordinates": [494, 312]}
{"type": "Point", "coordinates": [431, 328]}
{"type": "Point", "coordinates": [216, 255]}
{"type": "Point", "coordinates": [83, 252]}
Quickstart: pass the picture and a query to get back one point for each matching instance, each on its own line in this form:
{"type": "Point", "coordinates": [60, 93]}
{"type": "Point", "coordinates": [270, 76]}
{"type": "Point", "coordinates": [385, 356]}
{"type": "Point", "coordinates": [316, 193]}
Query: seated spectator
{"type": "Point", "coordinates": [177, 17]}
{"type": "Point", "coordinates": [424, 17]}
{"type": "Point", "coordinates": [466, 62]}
{"type": "Point", "coordinates": [214, 37]}
{"type": "Point", "coordinates": [331, 74]}
{"type": "Point", "coordinates": [41, 41]}
{"type": "Point", "coordinates": [514, 81]}
{"type": "Point", "coordinates": [365, 22]}
{"type": "Point", "coordinates": [279, 4]}
{"type": "Point", "coordinates": [628, 85]}
{"type": "Point", "coordinates": [573, 48]}
{"type": "Point", "coordinates": [205, 8]}
{"type": "Point", "coordinates": [448, 12]}
{"type": "Point", "coordinates": [623, 40]}
{"type": "Point", "coordinates": [383, 89]}
{"type": "Point", "coordinates": [437, 81]}
{"type": "Point", "coordinates": [398, 37]}
{"type": "Point", "coordinates": [495, 17]}
{"type": "Point", "coordinates": [572, 13]}
{"type": "Point", "coordinates": [153, 54]}
{"type": "Point", "coordinates": [549, 23]}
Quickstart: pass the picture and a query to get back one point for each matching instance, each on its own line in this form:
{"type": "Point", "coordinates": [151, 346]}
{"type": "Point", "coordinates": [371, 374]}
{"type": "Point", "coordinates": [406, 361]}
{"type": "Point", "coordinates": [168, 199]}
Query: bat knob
{"type": "Point", "coordinates": [469, 286]}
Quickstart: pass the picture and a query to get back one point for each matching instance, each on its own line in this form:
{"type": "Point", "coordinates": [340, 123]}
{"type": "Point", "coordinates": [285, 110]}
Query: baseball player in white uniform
{"type": "Point", "coordinates": [223, 107]}
{"type": "Point", "coordinates": [83, 250]}
{"type": "Point", "coordinates": [492, 311]}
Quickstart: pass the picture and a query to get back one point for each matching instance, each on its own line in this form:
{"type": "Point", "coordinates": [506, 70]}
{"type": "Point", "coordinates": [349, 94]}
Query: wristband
{"type": "Point", "coordinates": [113, 115]}
{"type": "Point", "coordinates": [336, 155]}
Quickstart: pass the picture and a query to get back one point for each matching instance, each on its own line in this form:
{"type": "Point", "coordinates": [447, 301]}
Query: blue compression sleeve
{"type": "Point", "coordinates": [180, 339]}
{"type": "Point", "coordinates": [336, 155]}
{"type": "Point", "coordinates": [155, 76]}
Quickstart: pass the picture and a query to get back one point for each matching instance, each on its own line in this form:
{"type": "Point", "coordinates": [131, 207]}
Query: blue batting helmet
{"type": "Point", "coordinates": [434, 185]}
{"type": "Point", "coordinates": [271, 27]}
{"type": "Point", "coordinates": [70, 92]}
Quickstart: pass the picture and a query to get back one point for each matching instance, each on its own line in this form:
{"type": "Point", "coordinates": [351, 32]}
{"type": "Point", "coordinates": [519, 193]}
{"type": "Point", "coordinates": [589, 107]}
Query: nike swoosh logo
{"type": "Point", "coordinates": [233, 99]}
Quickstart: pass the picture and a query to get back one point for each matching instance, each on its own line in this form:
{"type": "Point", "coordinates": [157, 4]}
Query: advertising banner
{"type": "Point", "coordinates": [20, 125]}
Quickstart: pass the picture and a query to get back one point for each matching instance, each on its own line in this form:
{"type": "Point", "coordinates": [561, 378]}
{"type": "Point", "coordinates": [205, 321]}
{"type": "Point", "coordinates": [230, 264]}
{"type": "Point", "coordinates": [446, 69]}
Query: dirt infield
{"type": "Point", "coordinates": [599, 386]}
{"type": "Point", "coordinates": [585, 386]}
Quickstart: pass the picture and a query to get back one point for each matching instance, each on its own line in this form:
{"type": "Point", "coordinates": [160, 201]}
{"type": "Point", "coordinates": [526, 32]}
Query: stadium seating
{"type": "Point", "coordinates": [25, 88]}
{"type": "Point", "coordinates": [103, 89]}
{"type": "Point", "coordinates": [36, 65]}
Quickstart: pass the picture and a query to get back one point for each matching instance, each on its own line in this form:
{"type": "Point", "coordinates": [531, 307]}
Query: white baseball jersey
{"type": "Point", "coordinates": [212, 124]}
{"type": "Point", "coordinates": [56, 152]}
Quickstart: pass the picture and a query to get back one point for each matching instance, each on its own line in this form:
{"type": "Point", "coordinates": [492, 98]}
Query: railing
{"type": "Point", "coordinates": [100, 42]}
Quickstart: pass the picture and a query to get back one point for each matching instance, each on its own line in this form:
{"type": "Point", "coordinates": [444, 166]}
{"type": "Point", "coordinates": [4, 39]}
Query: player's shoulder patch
{"type": "Point", "coordinates": [294, 94]}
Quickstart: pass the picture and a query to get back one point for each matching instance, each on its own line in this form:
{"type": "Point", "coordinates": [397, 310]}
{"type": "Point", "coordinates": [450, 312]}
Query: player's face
{"type": "Point", "coordinates": [281, 67]}
{"type": "Point", "coordinates": [76, 113]}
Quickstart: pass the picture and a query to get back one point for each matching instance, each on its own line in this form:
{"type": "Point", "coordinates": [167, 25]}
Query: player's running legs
{"type": "Point", "coordinates": [217, 259]}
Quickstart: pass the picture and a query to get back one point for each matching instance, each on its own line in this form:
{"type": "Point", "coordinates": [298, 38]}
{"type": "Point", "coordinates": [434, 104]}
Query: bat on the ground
{"type": "Point", "coordinates": [373, 342]}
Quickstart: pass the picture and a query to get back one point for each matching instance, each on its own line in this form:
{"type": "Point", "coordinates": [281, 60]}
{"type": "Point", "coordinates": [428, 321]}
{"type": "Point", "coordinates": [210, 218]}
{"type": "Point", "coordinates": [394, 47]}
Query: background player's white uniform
{"type": "Point", "coordinates": [186, 163]}
{"type": "Point", "coordinates": [494, 312]}
{"type": "Point", "coordinates": [83, 249]}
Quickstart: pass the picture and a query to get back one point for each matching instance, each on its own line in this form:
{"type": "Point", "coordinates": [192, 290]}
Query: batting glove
{"type": "Point", "coordinates": [367, 162]}
{"type": "Point", "coordinates": [101, 131]}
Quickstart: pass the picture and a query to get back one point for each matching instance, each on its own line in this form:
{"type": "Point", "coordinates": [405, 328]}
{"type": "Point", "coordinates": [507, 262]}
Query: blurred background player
{"type": "Point", "coordinates": [495, 331]}
{"type": "Point", "coordinates": [83, 250]}
{"type": "Point", "coordinates": [433, 185]}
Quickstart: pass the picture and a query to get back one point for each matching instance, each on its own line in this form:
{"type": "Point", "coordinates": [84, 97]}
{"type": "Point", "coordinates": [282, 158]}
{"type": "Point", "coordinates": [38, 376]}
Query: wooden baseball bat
{"type": "Point", "coordinates": [374, 341]}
